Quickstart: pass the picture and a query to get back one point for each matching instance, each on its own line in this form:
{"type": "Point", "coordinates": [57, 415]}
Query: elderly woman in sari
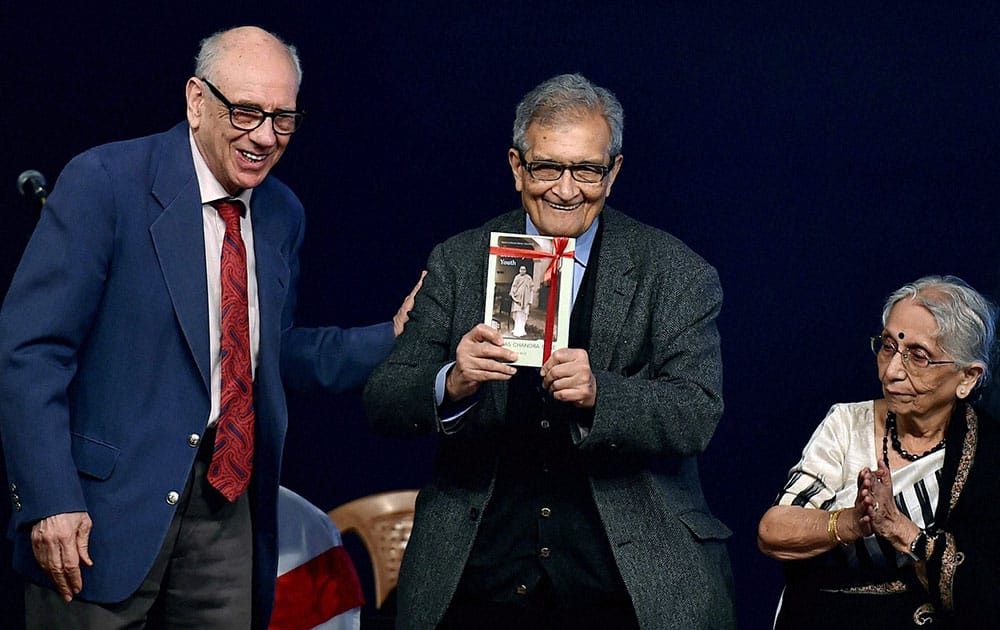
{"type": "Point", "coordinates": [891, 518]}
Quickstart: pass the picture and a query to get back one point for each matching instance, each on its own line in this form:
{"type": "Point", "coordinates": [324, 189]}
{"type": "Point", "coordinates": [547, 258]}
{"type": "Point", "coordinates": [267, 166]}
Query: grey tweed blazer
{"type": "Point", "coordinates": [656, 358]}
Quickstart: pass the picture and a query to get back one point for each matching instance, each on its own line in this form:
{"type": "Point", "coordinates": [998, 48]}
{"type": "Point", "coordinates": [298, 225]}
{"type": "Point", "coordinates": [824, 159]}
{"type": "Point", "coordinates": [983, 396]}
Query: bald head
{"type": "Point", "coordinates": [243, 46]}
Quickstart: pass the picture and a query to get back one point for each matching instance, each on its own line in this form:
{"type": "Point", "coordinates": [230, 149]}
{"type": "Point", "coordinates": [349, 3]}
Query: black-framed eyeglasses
{"type": "Point", "coordinates": [248, 117]}
{"type": "Point", "coordinates": [584, 172]}
{"type": "Point", "coordinates": [884, 347]}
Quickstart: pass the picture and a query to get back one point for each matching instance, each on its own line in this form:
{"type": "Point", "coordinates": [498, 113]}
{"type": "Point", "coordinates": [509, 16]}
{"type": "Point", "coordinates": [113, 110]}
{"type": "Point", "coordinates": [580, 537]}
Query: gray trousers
{"type": "Point", "coordinates": [202, 577]}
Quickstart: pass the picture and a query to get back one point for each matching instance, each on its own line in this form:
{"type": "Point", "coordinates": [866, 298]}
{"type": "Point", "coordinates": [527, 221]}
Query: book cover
{"type": "Point", "coordinates": [529, 292]}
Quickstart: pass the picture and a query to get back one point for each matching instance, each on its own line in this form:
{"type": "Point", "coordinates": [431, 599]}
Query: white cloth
{"type": "Point", "coordinates": [826, 476]}
{"type": "Point", "coordinates": [306, 534]}
{"type": "Point", "coordinates": [521, 291]}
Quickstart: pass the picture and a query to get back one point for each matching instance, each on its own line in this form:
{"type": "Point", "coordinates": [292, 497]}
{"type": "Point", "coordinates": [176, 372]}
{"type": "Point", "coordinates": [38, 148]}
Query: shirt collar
{"type": "Point", "coordinates": [209, 188]}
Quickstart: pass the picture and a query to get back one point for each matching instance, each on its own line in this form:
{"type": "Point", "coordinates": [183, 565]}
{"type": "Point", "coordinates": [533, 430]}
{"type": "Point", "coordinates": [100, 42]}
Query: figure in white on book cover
{"type": "Point", "coordinates": [521, 294]}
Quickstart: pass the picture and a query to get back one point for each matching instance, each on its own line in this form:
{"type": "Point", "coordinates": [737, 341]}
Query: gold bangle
{"type": "Point", "coordinates": [831, 526]}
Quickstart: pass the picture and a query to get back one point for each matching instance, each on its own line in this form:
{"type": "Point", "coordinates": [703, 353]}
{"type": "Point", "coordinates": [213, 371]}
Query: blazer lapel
{"type": "Point", "coordinates": [614, 292]}
{"type": "Point", "coordinates": [272, 270]}
{"type": "Point", "coordinates": [179, 241]}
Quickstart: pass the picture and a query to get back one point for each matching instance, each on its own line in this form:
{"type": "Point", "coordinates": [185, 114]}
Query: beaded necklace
{"type": "Point", "coordinates": [893, 434]}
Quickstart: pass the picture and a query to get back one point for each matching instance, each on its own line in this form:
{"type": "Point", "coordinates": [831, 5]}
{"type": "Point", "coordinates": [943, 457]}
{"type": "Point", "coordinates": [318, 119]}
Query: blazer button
{"type": "Point", "coordinates": [545, 424]}
{"type": "Point", "coordinates": [194, 440]}
{"type": "Point", "coordinates": [521, 589]}
{"type": "Point", "coordinates": [173, 498]}
{"type": "Point", "coordinates": [545, 512]}
{"type": "Point", "coordinates": [473, 513]}
{"type": "Point", "coordinates": [544, 552]}
{"type": "Point", "coordinates": [13, 487]}
{"type": "Point", "coordinates": [17, 506]}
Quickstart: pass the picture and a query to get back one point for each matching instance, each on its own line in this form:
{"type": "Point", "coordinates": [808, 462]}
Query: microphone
{"type": "Point", "coordinates": [32, 184]}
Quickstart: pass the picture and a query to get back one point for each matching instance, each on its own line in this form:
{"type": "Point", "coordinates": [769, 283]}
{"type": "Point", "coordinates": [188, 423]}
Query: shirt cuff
{"type": "Point", "coordinates": [450, 414]}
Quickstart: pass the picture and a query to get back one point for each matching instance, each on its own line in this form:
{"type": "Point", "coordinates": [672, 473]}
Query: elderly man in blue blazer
{"type": "Point", "coordinates": [565, 497]}
{"type": "Point", "coordinates": [113, 361]}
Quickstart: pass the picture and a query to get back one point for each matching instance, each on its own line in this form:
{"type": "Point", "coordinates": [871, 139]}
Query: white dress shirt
{"type": "Point", "coordinates": [215, 231]}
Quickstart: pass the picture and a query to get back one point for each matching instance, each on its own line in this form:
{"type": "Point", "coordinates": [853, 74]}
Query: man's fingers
{"type": "Point", "coordinates": [83, 544]}
{"type": "Point", "coordinates": [416, 287]}
{"type": "Point", "coordinates": [54, 564]}
{"type": "Point", "coordinates": [479, 345]}
{"type": "Point", "coordinates": [482, 332]}
{"type": "Point", "coordinates": [69, 566]}
{"type": "Point", "coordinates": [484, 368]}
{"type": "Point", "coordinates": [484, 354]}
{"type": "Point", "coordinates": [59, 578]}
{"type": "Point", "coordinates": [85, 556]}
{"type": "Point", "coordinates": [566, 376]}
{"type": "Point", "coordinates": [74, 580]}
{"type": "Point", "coordinates": [490, 375]}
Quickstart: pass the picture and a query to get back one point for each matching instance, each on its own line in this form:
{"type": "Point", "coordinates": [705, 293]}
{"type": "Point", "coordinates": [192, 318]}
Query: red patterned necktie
{"type": "Point", "coordinates": [232, 459]}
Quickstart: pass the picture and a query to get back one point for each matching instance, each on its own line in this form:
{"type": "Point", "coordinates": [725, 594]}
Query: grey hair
{"type": "Point", "coordinates": [212, 46]}
{"type": "Point", "coordinates": [565, 98]}
{"type": "Point", "coordinates": [966, 320]}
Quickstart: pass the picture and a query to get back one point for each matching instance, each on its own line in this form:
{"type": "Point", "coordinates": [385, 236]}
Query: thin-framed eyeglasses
{"type": "Point", "coordinates": [916, 358]}
{"type": "Point", "coordinates": [584, 172]}
{"type": "Point", "coordinates": [248, 117]}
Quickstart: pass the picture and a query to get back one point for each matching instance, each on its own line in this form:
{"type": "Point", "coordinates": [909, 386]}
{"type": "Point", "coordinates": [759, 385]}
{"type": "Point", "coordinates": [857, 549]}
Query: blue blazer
{"type": "Point", "coordinates": [105, 361]}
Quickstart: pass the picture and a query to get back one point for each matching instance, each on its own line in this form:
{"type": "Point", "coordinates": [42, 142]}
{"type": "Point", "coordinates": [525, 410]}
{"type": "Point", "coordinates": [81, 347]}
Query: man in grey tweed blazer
{"type": "Point", "coordinates": [565, 497]}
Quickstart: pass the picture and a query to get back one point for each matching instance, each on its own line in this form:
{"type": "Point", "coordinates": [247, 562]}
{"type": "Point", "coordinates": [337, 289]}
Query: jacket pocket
{"type": "Point", "coordinates": [94, 458]}
{"type": "Point", "coordinates": [704, 526]}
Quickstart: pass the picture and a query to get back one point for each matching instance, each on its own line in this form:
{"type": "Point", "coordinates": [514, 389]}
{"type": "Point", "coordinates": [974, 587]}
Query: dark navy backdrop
{"type": "Point", "coordinates": [819, 157]}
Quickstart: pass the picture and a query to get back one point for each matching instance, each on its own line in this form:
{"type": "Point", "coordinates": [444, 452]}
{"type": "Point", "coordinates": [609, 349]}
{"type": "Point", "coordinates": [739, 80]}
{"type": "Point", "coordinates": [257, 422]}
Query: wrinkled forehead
{"type": "Point", "coordinates": [552, 117]}
{"type": "Point", "coordinates": [576, 139]}
{"type": "Point", "coordinates": [910, 320]}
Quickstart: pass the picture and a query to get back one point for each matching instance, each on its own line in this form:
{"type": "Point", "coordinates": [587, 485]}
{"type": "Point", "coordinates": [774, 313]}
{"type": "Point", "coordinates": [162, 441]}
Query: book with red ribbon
{"type": "Point", "coordinates": [529, 293]}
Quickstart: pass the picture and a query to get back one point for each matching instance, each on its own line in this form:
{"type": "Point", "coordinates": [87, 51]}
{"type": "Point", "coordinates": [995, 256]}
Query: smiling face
{"type": "Point", "coordinates": [255, 69]}
{"type": "Point", "coordinates": [565, 207]}
{"type": "Point", "coordinates": [930, 392]}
